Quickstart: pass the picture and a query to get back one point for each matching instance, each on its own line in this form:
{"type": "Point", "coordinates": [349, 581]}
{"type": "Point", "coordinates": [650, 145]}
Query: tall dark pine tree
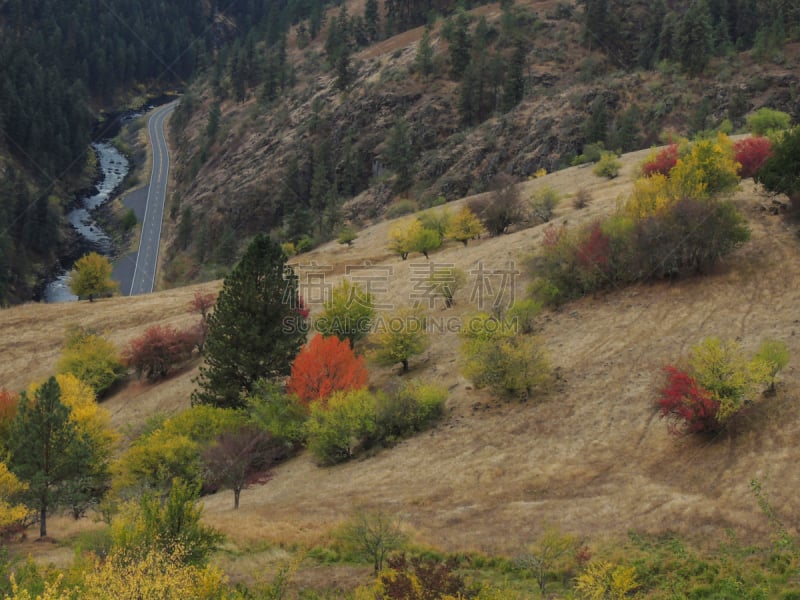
{"type": "Point", "coordinates": [423, 61]}
{"type": "Point", "coordinates": [598, 23]}
{"type": "Point", "coordinates": [372, 20]}
{"type": "Point", "coordinates": [46, 450]}
{"type": "Point", "coordinates": [460, 44]}
{"type": "Point", "coordinates": [400, 153]}
{"type": "Point", "coordinates": [514, 84]}
{"type": "Point", "coordinates": [694, 38]}
{"type": "Point", "coordinates": [256, 328]}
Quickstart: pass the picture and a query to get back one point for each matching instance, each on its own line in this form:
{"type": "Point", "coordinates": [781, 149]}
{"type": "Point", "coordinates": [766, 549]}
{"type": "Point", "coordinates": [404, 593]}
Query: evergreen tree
{"type": "Point", "coordinates": [626, 136]}
{"type": "Point", "coordinates": [596, 128]}
{"type": "Point", "coordinates": [650, 34]}
{"type": "Point", "coordinates": [514, 85]}
{"type": "Point", "coordinates": [780, 173]}
{"type": "Point", "coordinates": [666, 39]}
{"type": "Point", "coordinates": [460, 44]}
{"type": "Point", "coordinates": [400, 153]}
{"type": "Point", "coordinates": [46, 450]}
{"type": "Point", "coordinates": [344, 74]}
{"type": "Point", "coordinates": [255, 330]}
{"type": "Point", "coordinates": [423, 61]}
{"type": "Point", "coordinates": [372, 20]}
{"type": "Point", "coordinates": [694, 38]}
{"type": "Point", "coordinates": [598, 24]}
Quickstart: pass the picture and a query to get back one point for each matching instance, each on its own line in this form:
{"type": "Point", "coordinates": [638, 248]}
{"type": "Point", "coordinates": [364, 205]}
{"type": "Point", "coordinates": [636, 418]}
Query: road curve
{"type": "Point", "coordinates": [144, 274]}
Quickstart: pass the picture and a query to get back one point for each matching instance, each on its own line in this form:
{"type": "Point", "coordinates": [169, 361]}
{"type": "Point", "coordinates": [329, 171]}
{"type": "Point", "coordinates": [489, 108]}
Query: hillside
{"type": "Point", "coordinates": [592, 455]}
{"type": "Point", "coordinates": [304, 156]}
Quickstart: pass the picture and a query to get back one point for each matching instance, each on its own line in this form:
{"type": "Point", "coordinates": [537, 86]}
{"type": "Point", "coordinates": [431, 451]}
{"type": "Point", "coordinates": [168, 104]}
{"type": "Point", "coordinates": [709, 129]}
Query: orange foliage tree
{"type": "Point", "coordinates": [326, 365]}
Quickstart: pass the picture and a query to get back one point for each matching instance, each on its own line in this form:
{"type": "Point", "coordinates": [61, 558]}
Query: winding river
{"type": "Point", "coordinates": [113, 166]}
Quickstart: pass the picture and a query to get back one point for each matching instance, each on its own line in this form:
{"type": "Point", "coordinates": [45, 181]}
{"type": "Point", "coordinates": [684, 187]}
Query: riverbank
{"type": "Point", "coordinates": [108, 219]}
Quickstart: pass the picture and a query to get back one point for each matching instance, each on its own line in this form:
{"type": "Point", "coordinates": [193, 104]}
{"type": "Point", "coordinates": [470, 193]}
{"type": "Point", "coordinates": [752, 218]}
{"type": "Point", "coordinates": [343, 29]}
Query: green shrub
{"type": "Point", "coordinates": [348, 314]}
{"type": "Point", "coordinates": [280, 414]}
{"type": "Point", "coordinates": [288, 249]}
{"type": "Point", "coordinates": [413, 408]}
{"type": "Point", "coordinates": [497, 358]}
{"type": "Point", "coordinates": [203, 423]}
{"type": "Point", "coordinates": [543, 203]}
{"type": "Point", "coordinates": [767, 120]}
{"type": "Point", "coordinates": [347, 235]}
{"type": "Point", "coordinates": [92, 359]}
{"type": "Point", "coordinates": [436, 220]}
{"type": "Point", "coordinates": [304, 244]}
{"type": "Point", "coordinates": [591, 154]}
{"type": "Point", "coordinates": [401, 208]}
{"type": "Point", "coordinates": [129, 220]}
{"type": "Point", "coordinates": [174, 448]}
{"type": "Point", "coordinates": [171, 525]}
{"type": "Point", "coordinates": [341, 426]}
{"type": "Point", "coordinates": [523, 314]}
{"type": "Point", "coordinates": [153, 461]}
{"type": "Point", "coordinates": [608, 166]}
{"type": "Point", "coordinates": [775, 355]}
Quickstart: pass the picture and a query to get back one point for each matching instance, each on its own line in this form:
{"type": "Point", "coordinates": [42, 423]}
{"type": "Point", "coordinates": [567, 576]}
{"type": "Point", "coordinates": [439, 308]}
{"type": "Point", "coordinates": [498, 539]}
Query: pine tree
{"type": "Point", "coordinates": [344, 73]}
{"type": "Point", "coordinates": [400, 153]}
{"type": "Point", "coordinates": [514, 85]}
{"type": "Point", "coordinates": [598, 24]}
{"type": "Point", "coordinates": [255, 330]}
{"type": "Point", "coordinates": [694, 38]}
{"type": "Point", "coordinates": [423, 61]}
{"type": "Point", "coordinates": [596, 128]}
{"type": "Point", "coordinates": [666, 39]}
{"type": "Point", "coordinates": [46, 449]}
{"type": "Point", "coordinates": [460, 43]}
{"type": "Point", "coordinates": [372, 20]}
{"type": "Point", "coordinates": [650, 34]}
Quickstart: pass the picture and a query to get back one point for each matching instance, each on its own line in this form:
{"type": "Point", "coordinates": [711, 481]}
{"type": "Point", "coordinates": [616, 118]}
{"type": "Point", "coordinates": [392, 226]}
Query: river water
{"type": "Point", "coordinates": [113, 166]}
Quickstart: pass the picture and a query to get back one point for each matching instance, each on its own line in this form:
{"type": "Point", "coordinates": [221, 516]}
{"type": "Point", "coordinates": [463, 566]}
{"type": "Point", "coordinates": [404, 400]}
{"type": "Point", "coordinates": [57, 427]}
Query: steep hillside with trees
{"type": "Point", "coordinates": [330, 125]}
{"type": "Point", "coordinates": [63, 63]}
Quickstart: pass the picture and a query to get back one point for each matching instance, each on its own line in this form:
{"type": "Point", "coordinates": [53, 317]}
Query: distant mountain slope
{"type": "Point", "coordinates": [332, 124]}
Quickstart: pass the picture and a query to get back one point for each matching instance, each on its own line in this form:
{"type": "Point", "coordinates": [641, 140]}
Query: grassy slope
{"type": "Point", "coordinates": [593, 455]}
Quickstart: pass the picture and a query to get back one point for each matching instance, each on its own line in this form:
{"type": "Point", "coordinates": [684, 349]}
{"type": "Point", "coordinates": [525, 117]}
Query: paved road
{"type": "Point", "coordinates": [144, 274]}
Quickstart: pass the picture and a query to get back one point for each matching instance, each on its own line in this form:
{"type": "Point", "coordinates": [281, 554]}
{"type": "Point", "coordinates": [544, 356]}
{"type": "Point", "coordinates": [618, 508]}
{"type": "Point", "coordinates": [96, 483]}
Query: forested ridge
{"type": "Point", "coordinates": [328, 125]}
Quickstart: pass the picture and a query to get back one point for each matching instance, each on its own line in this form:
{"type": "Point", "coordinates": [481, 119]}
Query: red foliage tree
{"type": "Point", "coordinates": [663, 162]}
{"type": "Point", "coordinates": [595, 251]}
{"type": "Point", "coordinates": [686, 400]}
{"type": "Point", "coordinates": [326, 365]}
{"type": "Point", "coordinates": [159, 350]}
{"type": "Point", "coordinates": [751, 153]}
{"type": "Point", "coordinates": [202, 303]}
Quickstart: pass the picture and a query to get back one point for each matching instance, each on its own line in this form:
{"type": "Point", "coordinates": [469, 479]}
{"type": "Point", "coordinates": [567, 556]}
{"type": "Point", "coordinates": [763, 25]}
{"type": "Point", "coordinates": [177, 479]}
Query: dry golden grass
{"type": "Point", "coordinates": [592, 456]}
{"type": "Point", "coordinates": [31, 337]}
